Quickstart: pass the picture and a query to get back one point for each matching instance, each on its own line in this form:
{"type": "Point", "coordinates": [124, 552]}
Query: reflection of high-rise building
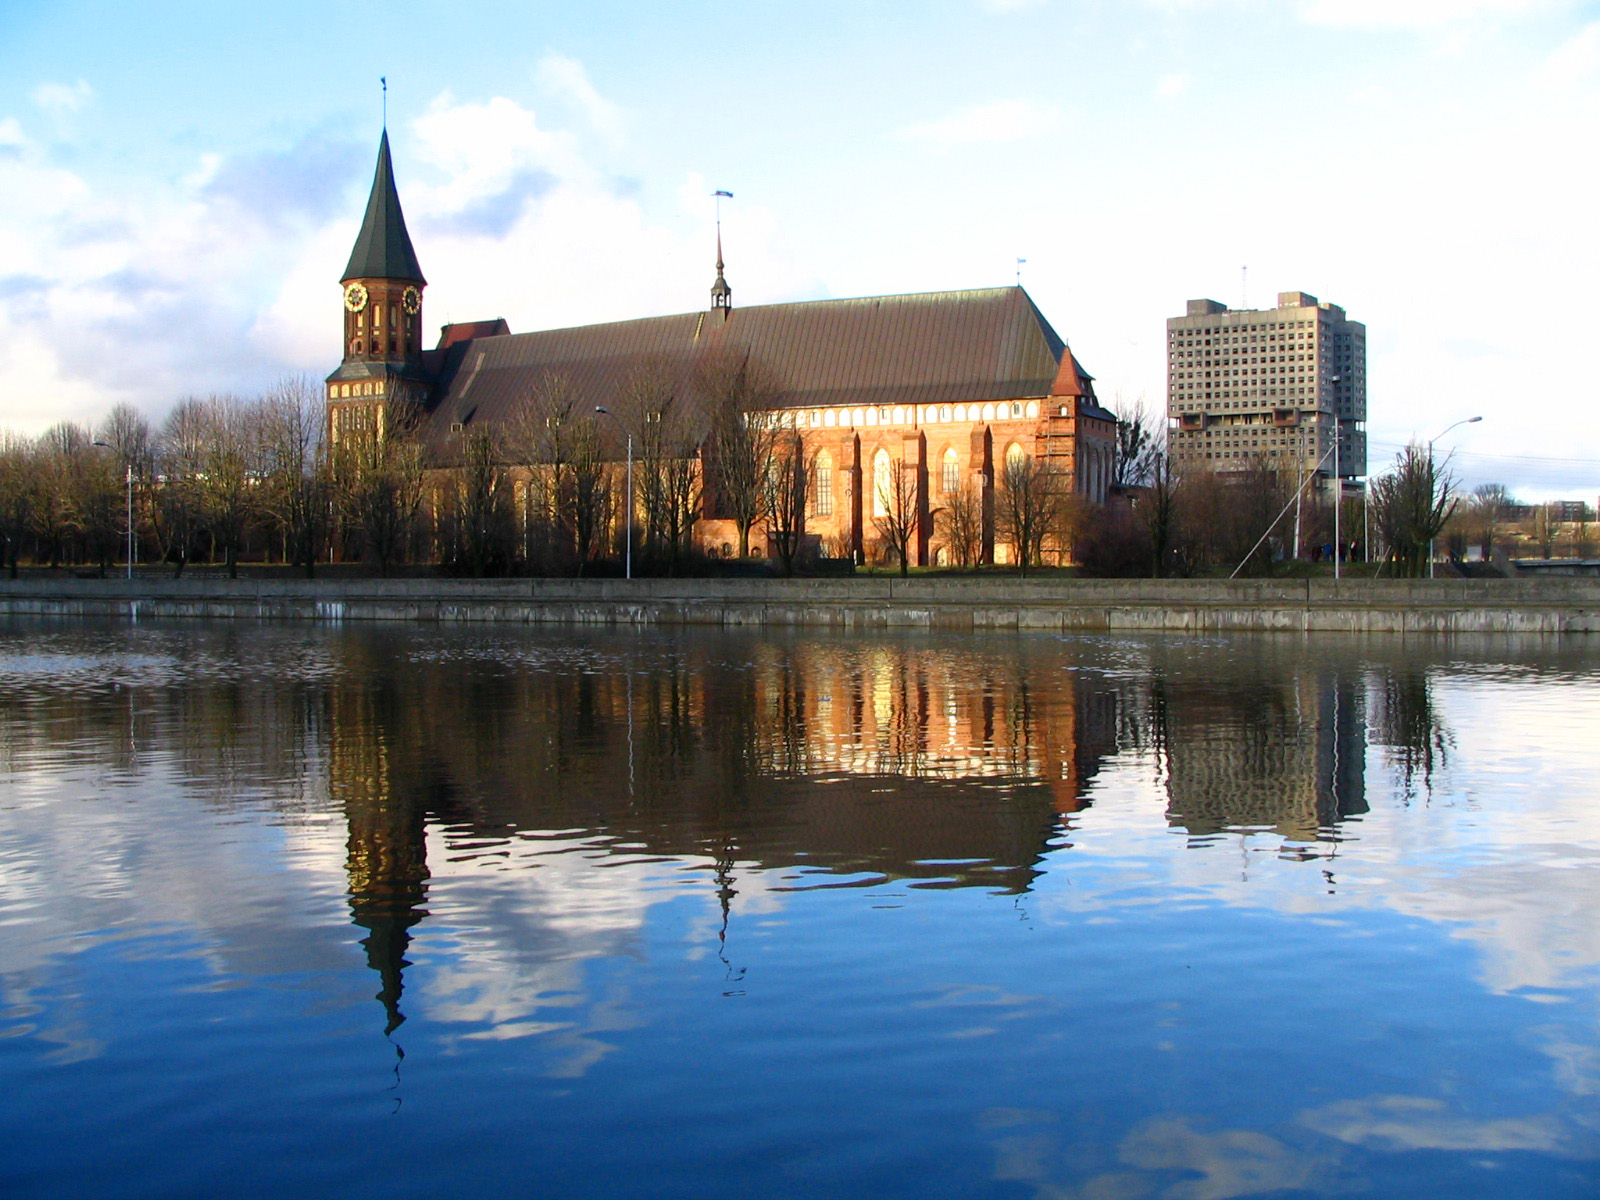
{"type": "Point", "coordinates": [1288, 756]}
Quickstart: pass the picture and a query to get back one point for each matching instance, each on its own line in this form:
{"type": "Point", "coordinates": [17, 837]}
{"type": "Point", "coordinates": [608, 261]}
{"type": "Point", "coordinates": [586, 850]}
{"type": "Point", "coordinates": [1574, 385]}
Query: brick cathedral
{"type": "Point", "coordinates": [940, 389]}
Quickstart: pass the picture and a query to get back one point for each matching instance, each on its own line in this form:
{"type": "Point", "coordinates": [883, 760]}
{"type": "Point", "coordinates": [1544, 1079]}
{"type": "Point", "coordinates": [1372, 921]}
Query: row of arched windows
{"type": "Point", "coordinates": [882, 482]}
{"type": "Point", "coordinates": [900, 414]}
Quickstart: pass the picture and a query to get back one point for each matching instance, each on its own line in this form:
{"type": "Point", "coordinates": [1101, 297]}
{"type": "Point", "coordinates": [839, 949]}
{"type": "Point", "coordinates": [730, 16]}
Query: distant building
{"type": "Point", "coordinates": [1268, 385]}
{"type": "Point", "coordinates": [942, 389]}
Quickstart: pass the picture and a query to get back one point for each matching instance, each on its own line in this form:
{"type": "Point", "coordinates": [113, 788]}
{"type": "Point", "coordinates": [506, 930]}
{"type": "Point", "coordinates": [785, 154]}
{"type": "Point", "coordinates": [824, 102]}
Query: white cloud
{"type": "Point", "coordinates": [224, 277]}
{"type": "Point", "coordinates": [1574, 63]}
{"type": "Point", "coordinates": [1416, 14]}
{"type": "Point", "coordinates": [1002, 121]}
{"type": "Point", "coordinates": [60, 100]}
{"type": "Point", "coordinates": [567, 79]}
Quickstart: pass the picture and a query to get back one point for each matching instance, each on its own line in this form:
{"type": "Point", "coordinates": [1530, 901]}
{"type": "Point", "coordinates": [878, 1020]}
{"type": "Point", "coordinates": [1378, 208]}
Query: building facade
{"type": "Point", "coordinates": [1247, 386]}
{"type": "Point", "coordinates": [904, 402]}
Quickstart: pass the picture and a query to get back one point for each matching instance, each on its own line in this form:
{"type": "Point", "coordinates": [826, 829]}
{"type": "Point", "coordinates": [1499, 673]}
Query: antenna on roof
{"type": "Point", "coordinates": [384, 79]}
{"type": "Point", "coordinates": [1020, 261]}
{"type": "Point", "coordinates": [1244, 287]}
{"type": "Point", "coordinates": [721, 293]}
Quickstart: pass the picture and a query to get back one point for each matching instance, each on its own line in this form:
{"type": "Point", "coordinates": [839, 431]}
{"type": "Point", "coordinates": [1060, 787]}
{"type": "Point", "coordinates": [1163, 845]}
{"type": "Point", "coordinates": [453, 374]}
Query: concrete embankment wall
{"type": "Point", "coordinates": [1565, 605]}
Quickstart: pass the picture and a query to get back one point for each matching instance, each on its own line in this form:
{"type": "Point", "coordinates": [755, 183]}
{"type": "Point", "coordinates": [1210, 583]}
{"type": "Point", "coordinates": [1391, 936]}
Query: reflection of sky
{"type": "Point", "coordinates": [1159, 1014]}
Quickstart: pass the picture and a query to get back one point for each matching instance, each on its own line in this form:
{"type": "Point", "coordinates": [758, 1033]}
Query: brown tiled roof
{"type": "Point", "coordinates": [935, 347]}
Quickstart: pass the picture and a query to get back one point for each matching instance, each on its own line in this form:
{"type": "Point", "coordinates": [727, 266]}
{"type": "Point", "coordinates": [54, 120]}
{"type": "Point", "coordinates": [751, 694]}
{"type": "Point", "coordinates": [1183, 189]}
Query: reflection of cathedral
{"type": "Point", "coordinates": [896, 761]}
{"type": "Point", "coordinates": [1286, 754]}
{"type": "Point", "coordinates": [387, 860]}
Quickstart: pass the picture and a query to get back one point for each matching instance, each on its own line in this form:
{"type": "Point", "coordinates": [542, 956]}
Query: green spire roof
{"type": "Point", "coordinates": [383, 248]}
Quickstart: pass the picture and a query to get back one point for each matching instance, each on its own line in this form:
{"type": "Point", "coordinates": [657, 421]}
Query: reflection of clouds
{"type": "Point", "coordinates": [1232, 1162]}
{"type": "Point", "coordinates": [1164, 1156]}
{"type": "Point", "coordinates": [1422, 1123]}
{"type": "Point", "coordinates": [514, 926]}
{"type": "Point", "coordinates": [207, 884]}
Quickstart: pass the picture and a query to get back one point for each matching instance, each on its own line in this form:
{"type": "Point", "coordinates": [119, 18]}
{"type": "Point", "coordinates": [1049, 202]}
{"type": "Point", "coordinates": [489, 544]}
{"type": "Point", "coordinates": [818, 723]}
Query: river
{"type": "Point", "coordinates": [293, 910]}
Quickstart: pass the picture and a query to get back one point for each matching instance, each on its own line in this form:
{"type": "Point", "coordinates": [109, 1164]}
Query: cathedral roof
{"type": "Point", "coordinates": [383, 247]}
{"type": "Point", "coordinates": [930, 348]}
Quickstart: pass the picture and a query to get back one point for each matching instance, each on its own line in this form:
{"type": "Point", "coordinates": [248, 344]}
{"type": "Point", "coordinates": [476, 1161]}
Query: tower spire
{"type": "Point", "coordinates": [383, 247]}
{"type": "Point", "coordinates": [721, 293]}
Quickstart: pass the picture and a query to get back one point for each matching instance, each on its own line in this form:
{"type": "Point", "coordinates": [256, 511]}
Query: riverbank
{"type": "Point", "coordinates": [1562, 605]}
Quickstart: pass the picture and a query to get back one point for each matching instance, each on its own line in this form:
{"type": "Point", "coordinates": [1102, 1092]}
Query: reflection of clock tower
{"type": "Point", "coordinates": [382, 317]}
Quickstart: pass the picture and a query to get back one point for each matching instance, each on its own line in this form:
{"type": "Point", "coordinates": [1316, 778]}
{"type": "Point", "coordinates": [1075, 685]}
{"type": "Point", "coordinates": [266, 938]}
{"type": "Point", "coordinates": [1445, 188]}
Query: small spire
{"type": "Point", "coordinates": [721, 293]}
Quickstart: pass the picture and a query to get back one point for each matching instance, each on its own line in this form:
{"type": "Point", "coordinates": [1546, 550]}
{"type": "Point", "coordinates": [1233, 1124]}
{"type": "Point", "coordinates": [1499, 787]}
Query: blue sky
{"type": "Point", "coordinates": [180, 183]}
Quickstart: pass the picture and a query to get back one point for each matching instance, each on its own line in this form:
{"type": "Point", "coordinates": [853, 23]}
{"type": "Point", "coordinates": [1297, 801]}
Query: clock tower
{"type": "Point", "coordinates": [382, 317]}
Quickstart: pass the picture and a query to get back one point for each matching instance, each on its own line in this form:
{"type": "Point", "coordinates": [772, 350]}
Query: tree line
{"type": "Point", "coordinates": [546, 491]}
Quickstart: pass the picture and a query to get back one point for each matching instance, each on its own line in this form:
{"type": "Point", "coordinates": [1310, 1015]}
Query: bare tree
{"type": "Point", "coordinates": [1141, 444]}
{"type": "Point", "coordinates": [666, 466]}
{"type": "Point", "coordinates": [895, 510]}
{"type": "Point", "coordinates": [230, 473]}
{"type": "Point", "coordinates": [16, 496]}
{"type": "Point", "coordinates": [129, 435]}
{"type": "Point", "coordinates": [178, 512]}
{"type": "Point", "coordinates": [483, 506]}
{"type": "Point", "coordinates": [98, 502]}
{"type": "Point", "coordinates": [784, 497]}
{"type": "Point", "coordinates": [1542, 527]}
{"type": "Point", "coordinates": [592, 498]}
{"type": "Point", "coordinates": [378, 483]}
{"type": "Point", "coordinates": [738, 393]}
{"type": "Point", "coordinates": [1159, 513]}
{"type": "Point", "coordinates": [540, 436]}
{"type": "Point", "coordinates": [1410, 504]}
{"type": "Point", "coordinates": [960, 523]}
{"type": "Point", "coordinates": [297, 478]}
{"type": "Point", "coordinates": [54, 508]}
{"type": "Point", "coordinates": [1032, 499]}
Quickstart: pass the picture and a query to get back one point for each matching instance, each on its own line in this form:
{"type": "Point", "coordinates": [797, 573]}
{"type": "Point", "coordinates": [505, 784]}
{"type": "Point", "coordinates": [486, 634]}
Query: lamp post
{"type": "Point", "coordinates": [1431, 441]}
{"type": "Point", "coordinates": [1338, 481]}
{"type": "Point", "coordinates": [627, 548]}
{"type": "Point", "coordinates": [109, 446]}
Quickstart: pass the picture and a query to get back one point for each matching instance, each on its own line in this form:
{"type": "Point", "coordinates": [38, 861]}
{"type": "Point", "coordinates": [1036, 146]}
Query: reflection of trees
{"type": "Point", "coordinates": [1410, 727]}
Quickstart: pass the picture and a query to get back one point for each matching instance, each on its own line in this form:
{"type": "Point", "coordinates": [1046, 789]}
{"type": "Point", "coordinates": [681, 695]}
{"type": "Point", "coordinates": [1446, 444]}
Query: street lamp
{"type": "Point", "coordinates": [1338, 481]}
{"type": "Point", "coordinates": [109, 446]}
{"type": "Point", "coordinates": [1431, 441]}
{"type": "Point", "coordinates": [627, 549]}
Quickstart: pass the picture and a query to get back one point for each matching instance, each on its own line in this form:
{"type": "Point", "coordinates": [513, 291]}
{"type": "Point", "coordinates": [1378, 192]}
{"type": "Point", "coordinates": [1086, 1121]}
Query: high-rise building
{"type": "Point", "coordinates": [1247, 386]}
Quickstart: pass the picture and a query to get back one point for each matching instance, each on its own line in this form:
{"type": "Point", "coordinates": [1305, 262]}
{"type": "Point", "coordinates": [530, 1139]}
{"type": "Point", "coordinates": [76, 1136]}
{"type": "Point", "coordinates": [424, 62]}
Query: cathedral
{"type": "Point", "coordinates": [900, 402]}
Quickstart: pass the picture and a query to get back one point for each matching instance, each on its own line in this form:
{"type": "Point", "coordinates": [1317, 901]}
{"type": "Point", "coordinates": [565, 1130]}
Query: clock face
{"type": "Point", "coordinates": [355, 297]}
{"type": "Point", "coordinates": [412, 299]}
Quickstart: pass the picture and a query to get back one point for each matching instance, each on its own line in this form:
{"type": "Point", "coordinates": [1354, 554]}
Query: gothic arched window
{"type": "Point", "coordinates": [882, 483]}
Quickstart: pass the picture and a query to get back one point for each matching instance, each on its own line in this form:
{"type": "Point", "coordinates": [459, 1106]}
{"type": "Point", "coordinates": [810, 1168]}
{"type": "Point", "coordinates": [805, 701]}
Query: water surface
{"type": "Point", "coordinates": [294, 910]}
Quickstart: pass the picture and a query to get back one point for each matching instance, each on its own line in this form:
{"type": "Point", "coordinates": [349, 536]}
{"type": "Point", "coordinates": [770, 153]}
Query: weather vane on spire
{"type": "Point", "coordinates": [384, 79]}
{"type": "Point", "coordinates": [721, 293]}
{"type": "Point", "coordinates": [1020, 261]}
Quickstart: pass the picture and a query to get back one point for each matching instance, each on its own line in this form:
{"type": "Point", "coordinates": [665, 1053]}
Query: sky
{"type": "Point", "coordinates": [181, 183]}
